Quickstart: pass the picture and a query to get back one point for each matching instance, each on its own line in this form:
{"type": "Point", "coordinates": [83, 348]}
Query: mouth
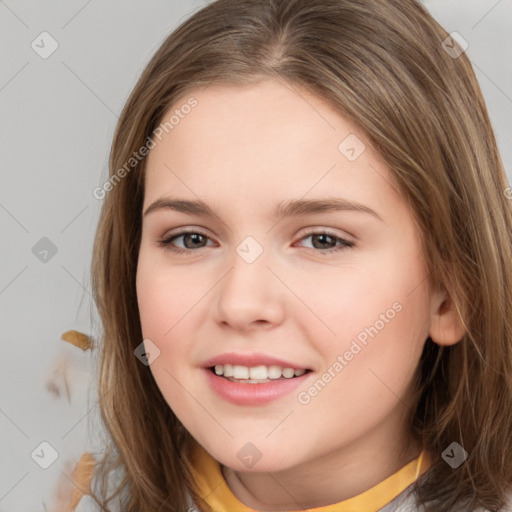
{"type": "Point", "coordinates": [260, 374]}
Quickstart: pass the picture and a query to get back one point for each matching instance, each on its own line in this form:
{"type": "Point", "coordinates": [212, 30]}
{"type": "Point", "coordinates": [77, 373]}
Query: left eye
{"type": "Point", "coordinates": [321, 238]}
{"type": "Point", "coordinates": [325, 242]}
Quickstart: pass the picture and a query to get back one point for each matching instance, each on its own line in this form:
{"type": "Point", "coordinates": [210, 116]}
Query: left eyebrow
{"type": "Point", "coordinates": [292, 208]}
{"type": "Point", "coordinates": [312, 206]}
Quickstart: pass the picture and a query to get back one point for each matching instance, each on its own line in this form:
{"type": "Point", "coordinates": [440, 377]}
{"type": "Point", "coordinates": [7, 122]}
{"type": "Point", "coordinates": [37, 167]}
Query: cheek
{"type": "Point", "coordinates": [386, 295]}
{"type": "Point", "coordinates": [162, 302]}
{"type": "Point", "coordinates": [165, 303]}
{"type": "Point", "coordinates": [378, 317]}
{"type": "Point", "coordinates": [164, 297]}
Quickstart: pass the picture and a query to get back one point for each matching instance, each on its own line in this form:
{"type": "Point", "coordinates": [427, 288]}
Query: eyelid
{"type": "Point", "coordinates": [166, 239]}
{"type": "Point", "coordinates": [346, 243]}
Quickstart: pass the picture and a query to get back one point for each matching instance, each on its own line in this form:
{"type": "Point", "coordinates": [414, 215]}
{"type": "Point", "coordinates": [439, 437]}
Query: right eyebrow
{"type": "Point", "coordinates": [184, 206]}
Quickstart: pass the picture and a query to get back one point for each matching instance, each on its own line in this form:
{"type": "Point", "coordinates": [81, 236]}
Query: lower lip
{"type": "Point", "coordinates": [252, 394]}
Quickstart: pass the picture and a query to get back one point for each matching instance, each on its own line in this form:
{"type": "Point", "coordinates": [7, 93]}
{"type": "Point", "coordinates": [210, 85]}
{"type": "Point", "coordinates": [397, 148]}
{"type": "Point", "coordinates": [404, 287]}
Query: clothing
{"type": "Point", "coordinates": [394, 494]}
{"type": "Point", "coordinates": [390, 495]}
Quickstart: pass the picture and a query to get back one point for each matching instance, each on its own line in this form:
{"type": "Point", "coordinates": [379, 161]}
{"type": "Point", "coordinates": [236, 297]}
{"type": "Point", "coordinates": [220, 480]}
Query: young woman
{"type": "Point", "coordinates": [303, 267]}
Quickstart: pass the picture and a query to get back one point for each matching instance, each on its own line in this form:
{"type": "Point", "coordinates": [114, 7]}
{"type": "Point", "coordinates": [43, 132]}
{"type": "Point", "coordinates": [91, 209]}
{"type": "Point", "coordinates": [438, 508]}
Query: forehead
{"type": "Point", "coordinates": [269, 110]}
{"type": "Point", "coordinates": [260, 141]}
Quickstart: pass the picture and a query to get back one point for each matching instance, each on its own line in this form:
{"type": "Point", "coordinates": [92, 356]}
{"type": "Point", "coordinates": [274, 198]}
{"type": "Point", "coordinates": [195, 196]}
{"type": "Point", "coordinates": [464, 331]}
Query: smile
{"type": "Point", "coordinates": [255, 374]}
{"type": "Point", "coordinates": [254, 392]}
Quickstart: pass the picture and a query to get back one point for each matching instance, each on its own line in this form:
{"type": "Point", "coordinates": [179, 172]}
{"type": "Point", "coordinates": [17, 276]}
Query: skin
{"type": "Point", "coordinates": [243, 150]}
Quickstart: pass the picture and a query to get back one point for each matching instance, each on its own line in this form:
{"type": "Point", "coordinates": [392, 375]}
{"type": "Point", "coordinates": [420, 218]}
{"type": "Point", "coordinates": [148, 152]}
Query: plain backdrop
{"type": "Point", "coordinates": [58, 116]}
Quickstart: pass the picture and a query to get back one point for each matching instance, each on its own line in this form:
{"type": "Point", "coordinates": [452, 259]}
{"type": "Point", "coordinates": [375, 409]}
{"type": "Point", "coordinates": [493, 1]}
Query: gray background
{"type": "Point", "coordinates": [57, 121]}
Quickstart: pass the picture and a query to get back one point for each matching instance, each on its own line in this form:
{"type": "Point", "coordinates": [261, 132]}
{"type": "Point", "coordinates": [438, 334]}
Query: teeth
{"type": "Point", "coordinates": [288, 373]}
{"type": "Point", "coordinates": [256, 373]}
{"type": "Point", "coordinates": [240, 372]}
{"type": "Point", "coordinates": [274, 372]}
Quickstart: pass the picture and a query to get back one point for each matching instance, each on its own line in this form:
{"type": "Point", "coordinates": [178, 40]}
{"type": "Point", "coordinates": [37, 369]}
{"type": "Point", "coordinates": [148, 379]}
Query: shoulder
{"type": "Point", "coordinates": [406, 502]}
{"type": "Point", "coordinates": [87, 502]}
{"type": "Point", "coordinates": [508, 505]}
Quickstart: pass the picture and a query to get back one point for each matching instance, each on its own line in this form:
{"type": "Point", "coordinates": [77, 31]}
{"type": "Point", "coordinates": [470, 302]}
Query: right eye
{"type": "Point", "coordinates": [191, 240]}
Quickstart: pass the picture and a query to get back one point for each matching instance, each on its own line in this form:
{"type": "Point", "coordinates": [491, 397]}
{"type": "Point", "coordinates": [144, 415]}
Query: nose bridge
{"type": "Point", "coordinates": [249, 292]}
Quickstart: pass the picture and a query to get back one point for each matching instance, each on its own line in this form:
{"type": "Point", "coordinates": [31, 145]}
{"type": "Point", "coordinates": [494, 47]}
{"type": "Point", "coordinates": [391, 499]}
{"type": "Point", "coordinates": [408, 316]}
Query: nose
{"type": "Point", "coordinates": [250, 296]}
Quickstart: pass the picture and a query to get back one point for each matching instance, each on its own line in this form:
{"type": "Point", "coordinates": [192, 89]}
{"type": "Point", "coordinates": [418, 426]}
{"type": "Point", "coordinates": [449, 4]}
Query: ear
{"type": "Point", "coordinates": [446, 326]}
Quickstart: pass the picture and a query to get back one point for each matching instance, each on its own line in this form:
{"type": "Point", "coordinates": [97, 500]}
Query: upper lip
{"type": "Point", "coordinates": [251, 360]}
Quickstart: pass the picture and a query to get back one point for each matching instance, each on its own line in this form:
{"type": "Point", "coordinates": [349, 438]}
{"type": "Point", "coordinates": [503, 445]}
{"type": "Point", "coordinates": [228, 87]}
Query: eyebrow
{"type": "Point", "coordinates": [291, 208]}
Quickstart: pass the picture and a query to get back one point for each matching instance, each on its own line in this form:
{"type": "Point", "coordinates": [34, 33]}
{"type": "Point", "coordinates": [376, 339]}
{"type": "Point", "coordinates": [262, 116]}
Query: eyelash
{"type": "Point", "coordinates": [166, 242]}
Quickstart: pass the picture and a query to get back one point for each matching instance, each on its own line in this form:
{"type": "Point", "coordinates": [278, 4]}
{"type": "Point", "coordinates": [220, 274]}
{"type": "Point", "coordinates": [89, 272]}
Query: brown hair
{"type": "Point", "coordinates": [382, 65]}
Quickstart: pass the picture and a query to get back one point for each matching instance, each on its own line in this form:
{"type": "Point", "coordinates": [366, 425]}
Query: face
{"type": "Point", "coordinates": [271, 280]}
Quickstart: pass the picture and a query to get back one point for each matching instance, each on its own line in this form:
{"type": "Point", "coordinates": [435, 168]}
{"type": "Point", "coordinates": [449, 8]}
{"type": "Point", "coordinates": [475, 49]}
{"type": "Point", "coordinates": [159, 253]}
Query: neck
{"type": "Point", "coordinates": [330, 478]}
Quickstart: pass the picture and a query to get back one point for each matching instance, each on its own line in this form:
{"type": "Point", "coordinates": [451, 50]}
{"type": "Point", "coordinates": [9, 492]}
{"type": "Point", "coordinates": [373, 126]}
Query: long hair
{"type": "Point", "coordinates": [383, 66]}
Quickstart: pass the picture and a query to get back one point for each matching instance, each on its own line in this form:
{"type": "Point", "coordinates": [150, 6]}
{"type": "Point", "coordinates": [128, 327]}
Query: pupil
{"type": "Point", "coordinates": [196, 238]}
{"type": "Point", "coordinates": [322, 239]}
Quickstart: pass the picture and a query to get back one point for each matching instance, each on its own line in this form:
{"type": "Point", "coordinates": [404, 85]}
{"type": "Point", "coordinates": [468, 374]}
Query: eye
{"type": "Point", "coordinates": [191, 240]}
{"type": "Point", "coordinates": [327, 242]}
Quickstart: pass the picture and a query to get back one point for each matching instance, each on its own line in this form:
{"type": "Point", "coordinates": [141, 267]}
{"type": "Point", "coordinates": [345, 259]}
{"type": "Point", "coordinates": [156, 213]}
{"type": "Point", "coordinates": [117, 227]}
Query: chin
{"type": "Point", "coordinates": [253, 458]}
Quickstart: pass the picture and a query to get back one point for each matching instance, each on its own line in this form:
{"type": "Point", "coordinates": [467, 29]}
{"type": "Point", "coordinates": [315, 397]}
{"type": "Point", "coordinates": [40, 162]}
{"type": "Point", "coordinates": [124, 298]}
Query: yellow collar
{"type": "Point", "coordinates": [215, 491]}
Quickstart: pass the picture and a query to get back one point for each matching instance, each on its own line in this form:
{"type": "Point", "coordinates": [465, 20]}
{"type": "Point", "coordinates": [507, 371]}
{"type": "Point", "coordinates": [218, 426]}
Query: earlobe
{"type": "Point", "coordinates": [446, 325]}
